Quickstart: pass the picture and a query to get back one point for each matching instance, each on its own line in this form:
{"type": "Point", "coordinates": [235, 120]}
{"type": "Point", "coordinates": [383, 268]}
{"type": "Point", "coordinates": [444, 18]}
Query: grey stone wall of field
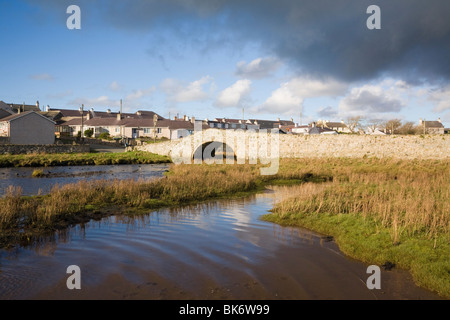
{"type": "Point", "coordinates": [36, 149]}
{"type": "Point", "coordinates": [320, 146]}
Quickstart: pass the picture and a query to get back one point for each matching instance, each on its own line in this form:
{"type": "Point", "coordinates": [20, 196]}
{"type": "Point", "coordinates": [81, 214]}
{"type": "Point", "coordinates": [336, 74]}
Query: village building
{"type": "Point", "coordinates": [432, 127]}
{"type": "Point", "coordinates": [28, 128]}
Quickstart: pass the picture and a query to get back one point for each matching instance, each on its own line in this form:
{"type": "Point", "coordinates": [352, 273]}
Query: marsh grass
{"type": "Point", "coordinates": [381, 210]}
{"type": "Point", "coordinates": [79, 159]}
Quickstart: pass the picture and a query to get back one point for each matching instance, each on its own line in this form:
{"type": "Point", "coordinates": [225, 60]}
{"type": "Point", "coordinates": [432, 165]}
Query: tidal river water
{"type": "Point", "coordinates": [23, 177]}
{"type": "Point", "coordinates": [214, 250]}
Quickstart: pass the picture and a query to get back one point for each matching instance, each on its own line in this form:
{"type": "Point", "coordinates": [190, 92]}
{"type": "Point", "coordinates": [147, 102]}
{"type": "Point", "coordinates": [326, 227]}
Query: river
{"type": "Point", "coordinates": [22, 177]}
{"type": "Point", "coordinates": [214, 250]}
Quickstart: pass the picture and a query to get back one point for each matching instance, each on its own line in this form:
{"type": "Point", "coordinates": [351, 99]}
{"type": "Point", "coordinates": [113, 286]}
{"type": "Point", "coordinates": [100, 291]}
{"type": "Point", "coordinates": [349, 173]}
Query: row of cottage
{"type": "Point", "coordinates": [27, 124]}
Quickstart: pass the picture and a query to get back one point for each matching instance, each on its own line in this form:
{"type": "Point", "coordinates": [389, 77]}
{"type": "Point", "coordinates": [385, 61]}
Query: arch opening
{"type": "Point", "coordinates": [214, 151]}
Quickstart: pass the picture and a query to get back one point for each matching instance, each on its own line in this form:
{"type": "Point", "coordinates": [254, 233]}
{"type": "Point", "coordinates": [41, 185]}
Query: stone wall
{"type": "Point", "coordinates": [52, 148]}
{"type": "Point", "coordinates": [322, 146]}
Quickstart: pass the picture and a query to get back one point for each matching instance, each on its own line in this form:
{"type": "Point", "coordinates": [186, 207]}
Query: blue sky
{"type": "Point", "coordinates": [213, 58]}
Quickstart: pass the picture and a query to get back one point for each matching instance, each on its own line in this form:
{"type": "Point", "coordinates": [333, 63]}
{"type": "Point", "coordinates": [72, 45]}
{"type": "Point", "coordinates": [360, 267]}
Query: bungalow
{"type": "Point", "coordinates": [432, 127]}
{"type": "Point", "coordinates": [169, 129]}
{"type": "Point", "coordinates": [28, 128]}
{"type": "Point", "coordinates": [271, 124]}
{"type": "Point", "coordinates": [339, 127]}
{"type": "Point", "coordinates": [301, 129]}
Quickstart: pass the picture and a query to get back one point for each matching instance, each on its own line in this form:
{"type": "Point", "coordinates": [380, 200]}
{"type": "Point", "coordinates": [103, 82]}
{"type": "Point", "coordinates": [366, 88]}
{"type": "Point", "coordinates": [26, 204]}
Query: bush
{"type": "Point", "coordinates": [88, 133]}
{"type": "Point", "coordinates": [104, 135]}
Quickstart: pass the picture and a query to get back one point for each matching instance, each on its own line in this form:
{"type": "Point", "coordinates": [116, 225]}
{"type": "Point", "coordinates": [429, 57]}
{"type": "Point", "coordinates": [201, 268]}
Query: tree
{"type": "Point", "coordinates": [391, 126]}
{"type": "Point", "coordinates": [408, 128]}
{"type": "Point", "coordinates": [354, 123]}
{"type": "Point", "coordinates": [88, 133]}
{"type": "Point", "coordinates": [373, 125]}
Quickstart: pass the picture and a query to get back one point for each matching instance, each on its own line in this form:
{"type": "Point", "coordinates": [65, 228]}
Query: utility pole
{"type": "Point", "coordinates": [155, 120]}
{"type": "Point", "coordinates": [243, 114]}
{"type": "Point", "coordinates": [301, 118]}
{"type": "Point", "coordinates": [82, 117]}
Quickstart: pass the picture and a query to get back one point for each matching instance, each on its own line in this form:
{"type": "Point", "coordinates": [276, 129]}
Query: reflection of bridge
{"type": "Point", "coordinates": [221, 146]}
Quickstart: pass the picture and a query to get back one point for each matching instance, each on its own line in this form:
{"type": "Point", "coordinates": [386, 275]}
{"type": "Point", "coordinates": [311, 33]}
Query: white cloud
{"type": "Point", "coordinates": [234, 95]}
{"type": "Point", "coordinates": [42, 77]}
{"type": "Point", "coordinates": [283, 100]}
{"type": "Point", "coordinates": [289, 98]}
{"type": "Point", "coordinates": [178, 91]}
{"type": "Point", "coordinates": [258, 68]}
{"type": "Point", "coordinates": [137, 94]}
{"type": "Point", "coordinates": [370, 100]}
{"type": "Point", "coordinates": [102, 101]}
{"type": "Point", "coordinates": [441, 99]}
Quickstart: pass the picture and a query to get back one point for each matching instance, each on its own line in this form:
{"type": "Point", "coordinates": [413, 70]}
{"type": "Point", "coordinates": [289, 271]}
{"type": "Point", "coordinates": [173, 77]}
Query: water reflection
{"type": "Point", "coordinates": [22, 177]}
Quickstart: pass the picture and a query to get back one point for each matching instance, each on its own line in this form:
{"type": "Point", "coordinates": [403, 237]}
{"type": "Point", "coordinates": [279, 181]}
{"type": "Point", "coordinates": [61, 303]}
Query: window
{"type": "Point", "coordinates": [147, 130]}
{"type": "Point", "coordinates": [158, 130]}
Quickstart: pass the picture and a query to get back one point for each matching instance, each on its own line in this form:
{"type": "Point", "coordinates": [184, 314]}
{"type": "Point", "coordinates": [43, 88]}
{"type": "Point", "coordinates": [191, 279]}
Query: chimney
{"type": "Point", "coordinates": [278, 119]}
{"type": "Point", "coordinates": [420, 122]}
{"type": "Point", "coordinates": [193, 120]}
{"type": "Point", "coordinates": [119, 116]}
{"type": "Point", "coordinates": [175, 118]}
{"type": "Point", "coordinates": [88, 116]}
{"type": "Point", "coordinates": [37, 104]}
{"type": "Point", "coordinates": [439, 120]}
{"type": "Point", "coordinates": [47, 108]}
{"type": "Point", "coordinates": [184, 117]}
{"type": "Point", "coordinates": [292, 119]}
{"type": "Point", "coordinates": [108, 111]}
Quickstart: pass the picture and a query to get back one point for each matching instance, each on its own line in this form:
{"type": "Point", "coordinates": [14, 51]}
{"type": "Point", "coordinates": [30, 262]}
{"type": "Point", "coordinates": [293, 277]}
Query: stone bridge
{"type": "Point", "coordinates": [218, 146]}
{"type": "Point", "coordinates": [222, 146]}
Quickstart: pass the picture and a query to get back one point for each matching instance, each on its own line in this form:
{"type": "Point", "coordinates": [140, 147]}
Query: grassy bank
{"type": "Point", "coordinates": [77, 159]}
{"type": "Point", "coordinates": [377, 210]}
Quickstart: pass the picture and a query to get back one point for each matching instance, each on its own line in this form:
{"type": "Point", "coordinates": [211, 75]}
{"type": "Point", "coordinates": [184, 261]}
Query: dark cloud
{"type": "Point", "coordinates": [327, 112]}
{"type": "Point", "coordinates": [370, 100]}
{"type": "Point", "coordinates": [317, 37]}
{"type": "Point", "coordinates": [258, 68]}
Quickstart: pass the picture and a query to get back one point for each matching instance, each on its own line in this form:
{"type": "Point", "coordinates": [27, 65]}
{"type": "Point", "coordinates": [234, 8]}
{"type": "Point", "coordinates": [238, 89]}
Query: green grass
{"type": "Point", "coordinates": [378, 211]}
{"type": "Point", "coordinates": [79, 159]}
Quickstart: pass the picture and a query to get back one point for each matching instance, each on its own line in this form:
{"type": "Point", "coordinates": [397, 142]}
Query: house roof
{"type": "Point", "coordinates": [433, 124]}
{"type": "Point", "coordinates": [105, 114]}
{"type": "Point", "coordinates": [24, 108]}
{"type": "Point", "coordinates": [335, 124]}
{"type": "Point", "coordinates": [23, 114]}
{"type": "Point", "coordinates": [226, 120]}
{"type": "Point", "coordinates": [133, 123]}
{"type": "Point", "coordinates": [5, 113]}
{"type": "Point", "coordinates": [271, 123]}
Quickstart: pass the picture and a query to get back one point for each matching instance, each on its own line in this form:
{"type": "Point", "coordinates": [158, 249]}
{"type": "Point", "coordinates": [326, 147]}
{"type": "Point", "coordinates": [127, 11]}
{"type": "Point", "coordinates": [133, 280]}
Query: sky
{"type": "Point", "coordinates": [258, 59]}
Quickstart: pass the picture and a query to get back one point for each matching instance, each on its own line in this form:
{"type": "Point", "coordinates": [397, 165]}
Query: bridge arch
{"type": "Point", "coordinates": [214, 151]}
